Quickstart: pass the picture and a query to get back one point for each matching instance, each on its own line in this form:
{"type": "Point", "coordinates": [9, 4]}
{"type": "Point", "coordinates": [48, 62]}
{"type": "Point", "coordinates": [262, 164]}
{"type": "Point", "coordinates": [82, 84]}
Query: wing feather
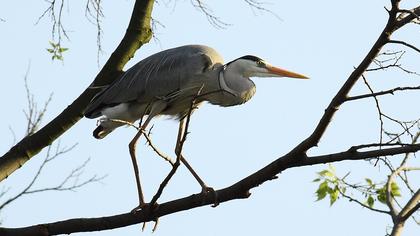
{"type": "Point", "coordinates": [156, 76]}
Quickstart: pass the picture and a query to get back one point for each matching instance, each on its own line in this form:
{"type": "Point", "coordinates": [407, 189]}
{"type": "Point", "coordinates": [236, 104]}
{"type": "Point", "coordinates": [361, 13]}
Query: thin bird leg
{"type": "Point", "coordinates": [132, 150]}
{"type": "Point", "coordinates": [156, 108]}
{"type": "Point", "coordinates": [204, 188]}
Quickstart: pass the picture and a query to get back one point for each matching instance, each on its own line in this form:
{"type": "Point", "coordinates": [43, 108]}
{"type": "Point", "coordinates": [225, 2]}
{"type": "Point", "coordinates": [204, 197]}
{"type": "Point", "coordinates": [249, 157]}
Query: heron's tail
{"type": "Point", "coordinates": [101, 132]}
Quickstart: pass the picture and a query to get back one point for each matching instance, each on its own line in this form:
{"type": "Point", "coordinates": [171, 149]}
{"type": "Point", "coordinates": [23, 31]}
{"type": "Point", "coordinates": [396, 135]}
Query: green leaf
{"type": "Point", "coordinates": [370, 201]}
{"type": "Point", "coordinates": [369, 182]}
{"type": "Point", "coordinates": [334, 195]}
{"type": "Point", "coordinates": [322, 190]}
{"type": "Point", "coordinates": [326, 173]}
{"type": "Point", "coordinates": [62, 49]}
{"type": "Point", "coordinates": [395, 190]}
{"type": "Point", "coordinates": [316, 180]}
{"type": "Point", "coordinates": [381, 195]}
{"type": "Point", "coordinates": [50, 50]}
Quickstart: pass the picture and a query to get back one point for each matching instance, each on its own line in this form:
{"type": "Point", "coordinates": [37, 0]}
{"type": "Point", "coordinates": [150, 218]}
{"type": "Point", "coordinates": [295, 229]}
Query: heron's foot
{"type": "Point", "coordinates": [146, 207]}
{"type": "Point", "coordinates": [209, 190]}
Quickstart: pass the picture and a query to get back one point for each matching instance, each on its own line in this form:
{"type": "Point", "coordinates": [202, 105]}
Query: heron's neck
{"type": "Point", "coordinates": [234, 88]}
{"type": "Point", "coordinates": [237, 81]}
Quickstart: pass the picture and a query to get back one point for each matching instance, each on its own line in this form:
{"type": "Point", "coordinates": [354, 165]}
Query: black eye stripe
{"type": "Point", "coordinates": [255, 59]}
{"type": "Point", "coordinates": [251, 58]}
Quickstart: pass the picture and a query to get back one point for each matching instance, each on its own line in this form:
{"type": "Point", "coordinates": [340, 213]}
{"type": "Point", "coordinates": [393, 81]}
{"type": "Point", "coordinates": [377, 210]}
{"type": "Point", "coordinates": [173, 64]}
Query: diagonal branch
{"type": "Point", "coordinates": [412, 206]}
{"type": "Point", "coordinates": [408, 17]}
{"type": "Point", "coordinates": [342, 94]}
{"type": "Point", "coordinates": [137, 34]}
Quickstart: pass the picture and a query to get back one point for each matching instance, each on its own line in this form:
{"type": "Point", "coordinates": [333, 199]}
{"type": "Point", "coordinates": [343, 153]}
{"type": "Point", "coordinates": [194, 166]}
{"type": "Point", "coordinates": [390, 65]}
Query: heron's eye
{"type": "Point", "coordinates": [260, 63]}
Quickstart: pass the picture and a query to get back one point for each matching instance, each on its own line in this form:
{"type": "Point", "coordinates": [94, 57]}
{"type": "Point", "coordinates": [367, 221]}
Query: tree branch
{"type": "Point", "coordinates": [390, 91]}
{"type": "Point", "coordinates": [409, 17]}
{"type": "Point", "coordinates": [362, 204]}
{"type": "Point", "coordinates": [405, 44]}
{"type": "Point", "coordinates": [412, 206]}
{"type": "Point", "coordinates": [341, 95]}
{"type": "Point", "coordinates": [238, 190]}
{"type": "Point", "coordinates": [137, 34]}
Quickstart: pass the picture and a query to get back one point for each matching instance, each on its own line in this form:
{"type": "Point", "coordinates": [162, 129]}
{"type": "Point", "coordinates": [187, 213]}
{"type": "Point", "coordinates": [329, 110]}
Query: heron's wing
{"type": "Point", "coordinates": [159, 75]}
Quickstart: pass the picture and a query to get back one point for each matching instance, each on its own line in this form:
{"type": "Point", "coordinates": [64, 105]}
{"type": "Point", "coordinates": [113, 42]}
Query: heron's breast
{"type": "Point", "coordinates": [179, 107]}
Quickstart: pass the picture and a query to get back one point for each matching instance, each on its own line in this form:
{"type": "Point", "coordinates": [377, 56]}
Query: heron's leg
{"type": "Point", "coordinates": [132, 149]}
{"type": "Point", "coordinates": [155, 109]}
{"type": "Point", "coordinates": [204, 187]}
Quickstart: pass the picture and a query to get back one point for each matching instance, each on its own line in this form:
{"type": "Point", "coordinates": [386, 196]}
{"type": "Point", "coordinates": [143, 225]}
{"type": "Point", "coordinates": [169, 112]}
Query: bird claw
{"type": "Point", "coordinates": [146, 207]}
{"type": "Point", "coordinates": [209, 190]}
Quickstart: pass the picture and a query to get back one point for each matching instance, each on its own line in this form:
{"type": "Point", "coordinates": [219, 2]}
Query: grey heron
{"type": "Point", "coordinates": [165, 84]}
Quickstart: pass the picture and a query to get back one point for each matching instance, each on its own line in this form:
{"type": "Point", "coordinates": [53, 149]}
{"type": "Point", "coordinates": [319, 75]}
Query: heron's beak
{"type": "Point", "coordinates": [284, 73]}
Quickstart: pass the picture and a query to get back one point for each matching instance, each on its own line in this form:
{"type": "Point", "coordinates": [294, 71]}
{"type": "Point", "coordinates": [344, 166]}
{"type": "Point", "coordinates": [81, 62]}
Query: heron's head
{"type": "Point", "coordinates": [252, 66]}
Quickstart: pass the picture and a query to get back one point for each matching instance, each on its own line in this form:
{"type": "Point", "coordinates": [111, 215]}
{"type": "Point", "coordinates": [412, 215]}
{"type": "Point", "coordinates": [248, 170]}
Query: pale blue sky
{"type": "Point", "coordinates": [321, 39]}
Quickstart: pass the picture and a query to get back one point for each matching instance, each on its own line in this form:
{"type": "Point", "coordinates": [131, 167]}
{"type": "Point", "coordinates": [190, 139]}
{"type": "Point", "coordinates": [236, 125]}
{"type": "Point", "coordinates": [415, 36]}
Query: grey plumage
{"type": "Point", "coordinates": [159, 76]}
{"type": "Point", "coordinates": [166, 82]}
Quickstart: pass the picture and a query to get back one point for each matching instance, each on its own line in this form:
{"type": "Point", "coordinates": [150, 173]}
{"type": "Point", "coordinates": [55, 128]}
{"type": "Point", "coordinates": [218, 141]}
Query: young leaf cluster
{"type": "Point", "coordinates": [335, 187]}
{"type": "Point", "coordinates": [56, 51]}
{"type": "Point", "coordinates": [330, 185]}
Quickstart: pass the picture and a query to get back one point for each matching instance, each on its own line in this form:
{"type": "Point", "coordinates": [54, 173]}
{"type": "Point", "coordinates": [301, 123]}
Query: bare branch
{"type": "Point", "coordinates": [351, 199]}
{"type": "Point", "coordinates": [385, 92]}
{"type": "Point", "coordinates": [378, 108]}
{"type": "Point", "coordinates": [64, 185]}
{"type": "Point", "coordinates": [148, 139]}
{"type": "Point", "coordinates": [156, 150]}
{"type": "Point", "coordinates": [33, 115]}
{"type": "Point", "coordinates": [405, 44]}
{"type": "Point", "coordinates": [211, 17]}
{"type": "Point", "coordinates": [392, 61]}
{"type": "Point", "coordinates": [406, 125]}
{"type": "Point", "coordinates": [56, 14]}
{"type": "Point", "coordinates": [94, 14]}
{"type": "Point", "coordinates": [261, 6]}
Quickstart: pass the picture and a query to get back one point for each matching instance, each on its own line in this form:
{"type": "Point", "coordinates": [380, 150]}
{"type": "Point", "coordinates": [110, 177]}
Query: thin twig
{"type": "Point", "coordinates": [378, 108]}
{"type": "Point", "coordinates": [361, 204]}
{"type": "Point", "coordinates": [389, 91]}
{"type": "Point", "coordinates": [156, 150]}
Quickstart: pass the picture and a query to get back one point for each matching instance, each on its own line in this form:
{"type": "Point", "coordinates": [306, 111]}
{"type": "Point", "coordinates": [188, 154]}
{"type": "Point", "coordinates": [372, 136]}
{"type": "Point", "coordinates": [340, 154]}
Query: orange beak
{"type": "Point", "coordinates": [284, 73]}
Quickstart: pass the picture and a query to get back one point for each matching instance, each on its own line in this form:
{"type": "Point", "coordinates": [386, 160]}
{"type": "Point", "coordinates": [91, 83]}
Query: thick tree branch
{"type": "Point", "coordinates": [238, 190]}
{"type": "Point", "coordinates": [407, 17]}
{"type": "Point", "coordinates": [137, 34]}
{"type": "Point", "coordinates": [412, 206]}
